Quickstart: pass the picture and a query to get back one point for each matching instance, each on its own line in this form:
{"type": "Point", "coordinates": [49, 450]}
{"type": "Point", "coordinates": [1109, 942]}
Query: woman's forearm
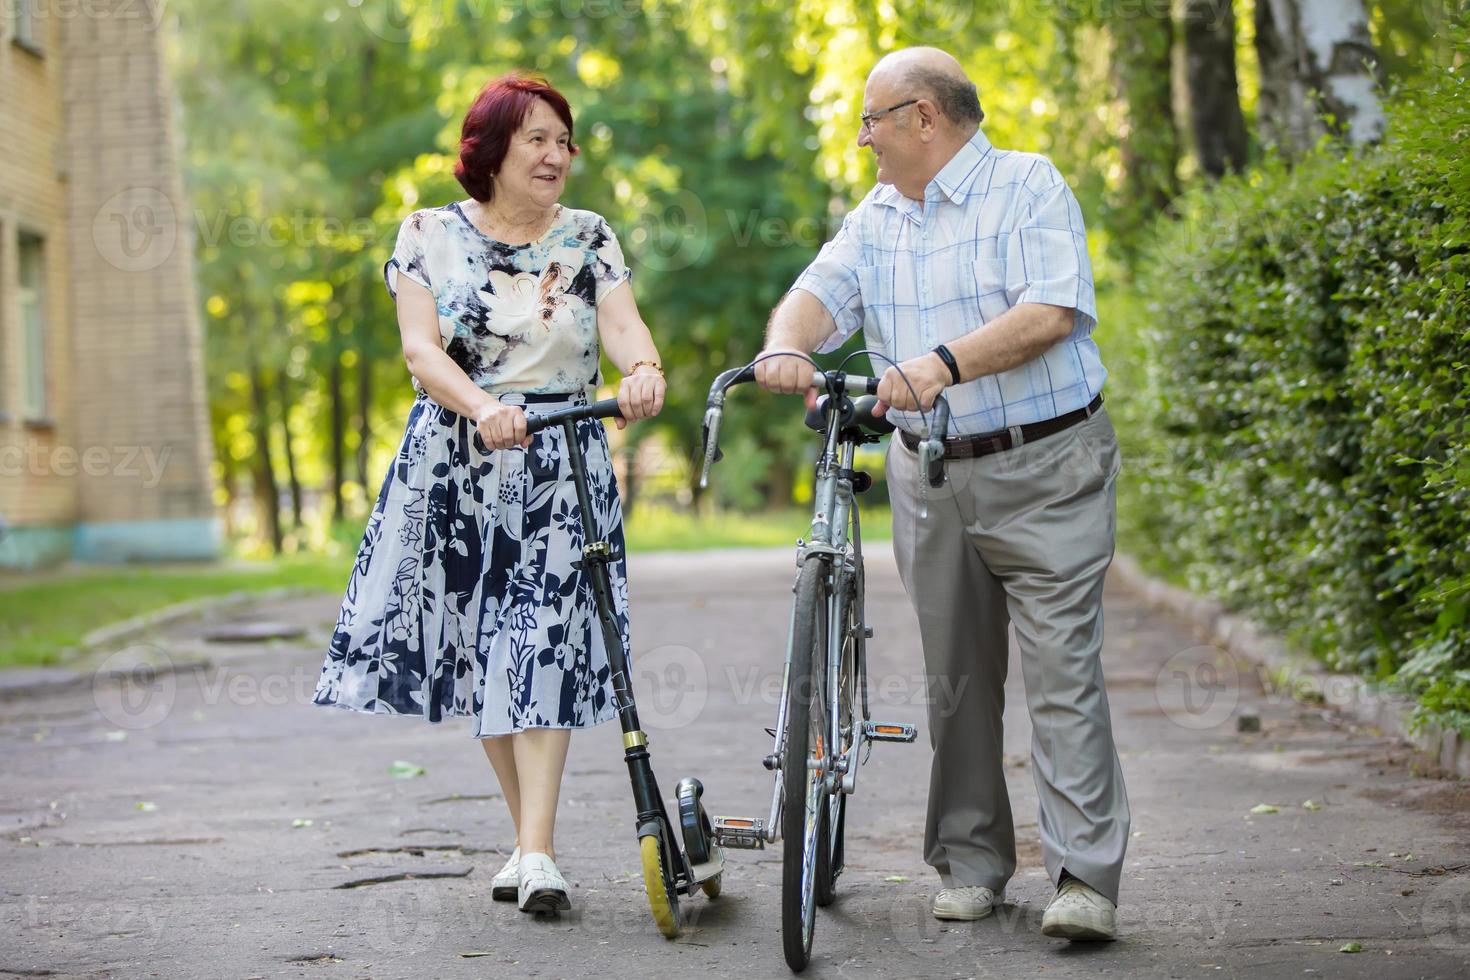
{"type": "Point", "coordinates": [629, 344]}
{"type": "Point", "coordinates": [444, 380]}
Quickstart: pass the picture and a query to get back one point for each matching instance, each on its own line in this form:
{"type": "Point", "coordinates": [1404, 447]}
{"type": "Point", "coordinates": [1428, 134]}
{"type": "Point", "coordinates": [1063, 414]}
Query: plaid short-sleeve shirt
{"type": "Point", "coordinates": [997, 228]}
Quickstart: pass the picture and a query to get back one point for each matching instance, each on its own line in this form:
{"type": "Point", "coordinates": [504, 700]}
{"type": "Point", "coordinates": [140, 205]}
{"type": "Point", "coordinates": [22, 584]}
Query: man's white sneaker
{"type": "Point", "coordinates": [507, 881]}
{"type": "Point", "coordinates": [966, 904]}
{"type": "Point", "coordinates": [1079, 912]}
{"type": "Point", "coordinates": [542, 888]}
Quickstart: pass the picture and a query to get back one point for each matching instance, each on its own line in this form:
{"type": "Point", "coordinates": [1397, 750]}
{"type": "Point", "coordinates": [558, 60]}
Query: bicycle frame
{"type": "Point", "coordinates": [834, 508]}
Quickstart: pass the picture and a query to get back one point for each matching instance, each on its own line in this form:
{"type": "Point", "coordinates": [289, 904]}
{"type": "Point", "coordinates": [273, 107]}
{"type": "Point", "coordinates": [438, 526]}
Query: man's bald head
{"type": "Point", "coordinates": [936, 75]}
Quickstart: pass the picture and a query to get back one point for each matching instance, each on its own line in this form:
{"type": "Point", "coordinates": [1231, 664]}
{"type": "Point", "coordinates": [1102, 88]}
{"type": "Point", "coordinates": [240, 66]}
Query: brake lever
{"type": "Point", "coordinates": [931, 450]}
{"type": "Point", "coordinates": [712, 453]}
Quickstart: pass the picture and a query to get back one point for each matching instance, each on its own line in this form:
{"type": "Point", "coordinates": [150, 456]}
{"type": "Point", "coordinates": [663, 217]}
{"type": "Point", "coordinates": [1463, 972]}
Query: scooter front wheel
{"type": "Point", "coordinates": [662, 900]}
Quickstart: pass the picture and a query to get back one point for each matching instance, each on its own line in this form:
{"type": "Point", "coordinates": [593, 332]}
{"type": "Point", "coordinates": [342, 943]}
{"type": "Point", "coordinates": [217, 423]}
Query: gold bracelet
{"type": "Point", "coordinates": [632, 368]}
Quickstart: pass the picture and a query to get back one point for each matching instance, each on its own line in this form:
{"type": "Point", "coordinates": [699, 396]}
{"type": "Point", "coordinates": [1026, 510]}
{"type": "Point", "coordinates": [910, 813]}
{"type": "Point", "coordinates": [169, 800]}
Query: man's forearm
{"type": "Point", "coordinates": [1021, 334]}
{"type": "Point", "coordinates": [800, 322]}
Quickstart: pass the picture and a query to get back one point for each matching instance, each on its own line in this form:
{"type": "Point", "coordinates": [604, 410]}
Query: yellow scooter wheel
{"type": "Point", "coordinates": [663, 903]}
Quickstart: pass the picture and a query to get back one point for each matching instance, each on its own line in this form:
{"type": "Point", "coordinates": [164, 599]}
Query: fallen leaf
{"type": "Point", "coordinates": [1311, 805]}
{"type": "Point", "coordinates": [405, 770]}
{"type": "Point", "coordinates": [298, 822]}
{"type": "Point", "coordinates": [146, 806]}
{"type": "Point", "coordinates": [1353, 947]}
{"type": "Point", "coordinates": [1265, 808]}
{"type": "Point", "coordinates": [896, 878]}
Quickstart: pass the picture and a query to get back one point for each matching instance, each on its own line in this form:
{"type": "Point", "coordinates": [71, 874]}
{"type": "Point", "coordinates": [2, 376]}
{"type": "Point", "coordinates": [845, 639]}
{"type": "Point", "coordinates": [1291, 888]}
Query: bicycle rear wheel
{"type": "Point", "coordinates": [805, 801]}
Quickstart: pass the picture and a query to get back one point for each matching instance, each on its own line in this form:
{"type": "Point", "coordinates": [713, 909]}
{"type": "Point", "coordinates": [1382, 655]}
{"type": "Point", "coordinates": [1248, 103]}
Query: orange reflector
{"type": "Point", "coordinates": [888, 729]}
{"type": "Point", "coordinates": [731, 822]}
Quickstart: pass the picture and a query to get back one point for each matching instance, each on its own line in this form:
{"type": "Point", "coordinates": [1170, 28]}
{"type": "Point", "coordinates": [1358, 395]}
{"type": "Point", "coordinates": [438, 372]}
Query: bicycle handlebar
{"type": "Point", "coordinates": [605, 409]}
{"type": "Point", "coordinates": [931, 449]}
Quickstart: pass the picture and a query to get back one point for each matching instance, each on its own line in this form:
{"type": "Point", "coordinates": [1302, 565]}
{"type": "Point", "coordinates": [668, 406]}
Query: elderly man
{"type": "Point", "coordinates": [968, 266]}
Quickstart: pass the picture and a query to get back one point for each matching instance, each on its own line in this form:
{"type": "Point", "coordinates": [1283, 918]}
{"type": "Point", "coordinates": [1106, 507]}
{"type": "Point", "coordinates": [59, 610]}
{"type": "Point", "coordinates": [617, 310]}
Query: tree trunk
{"type": "Point", "coordinates": [1142, 67]}
{"type": "Point", "coordinates": [1318, 73]}
{"type": "Point", "coordinates": [338, 430]}
{"type": "Point", "coordinates": [1214, 95]}
{"type": "Point", "coordinates": [283, 395]}
{"type": "Point", "coordinates": [364, 416]}
{"type": "Point", "coordinates": [266, 488]}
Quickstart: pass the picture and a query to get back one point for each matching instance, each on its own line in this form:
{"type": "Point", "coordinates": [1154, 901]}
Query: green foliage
{"type": "Point", "coordinates": [1299, 397]}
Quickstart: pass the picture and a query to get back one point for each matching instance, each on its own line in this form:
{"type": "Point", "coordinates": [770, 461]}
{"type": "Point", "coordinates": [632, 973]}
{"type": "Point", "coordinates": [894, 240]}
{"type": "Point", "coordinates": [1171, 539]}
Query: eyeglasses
{"type": "Point", "coordinates": [868, 118]}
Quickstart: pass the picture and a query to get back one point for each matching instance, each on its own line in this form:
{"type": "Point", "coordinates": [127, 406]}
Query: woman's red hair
{"type": "Point", "coordinates": [498, 112]}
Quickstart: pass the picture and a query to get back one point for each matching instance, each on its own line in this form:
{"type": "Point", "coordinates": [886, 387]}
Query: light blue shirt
{"type": "Point", "coordinates": [997, 228]}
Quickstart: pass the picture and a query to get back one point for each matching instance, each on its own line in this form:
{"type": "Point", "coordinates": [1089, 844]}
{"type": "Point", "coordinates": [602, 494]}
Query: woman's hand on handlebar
{"type": "Point", "coordinates": [927, 374]}
{"type": "Point", "coordinates": [787, 372]}
{"type": "Point", "coordinates": [640, 396]}
{"type": "Point", "coordinates": [501, 426]}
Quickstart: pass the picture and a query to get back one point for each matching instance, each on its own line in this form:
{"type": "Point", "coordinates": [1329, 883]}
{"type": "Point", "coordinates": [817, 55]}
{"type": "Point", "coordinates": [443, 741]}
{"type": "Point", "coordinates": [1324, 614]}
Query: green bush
{"type": "Point", "coordinates": [1297, 401]}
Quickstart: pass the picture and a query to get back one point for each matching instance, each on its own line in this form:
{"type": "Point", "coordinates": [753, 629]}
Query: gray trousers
{"type": "Point", "coordinates": [1021, 537]}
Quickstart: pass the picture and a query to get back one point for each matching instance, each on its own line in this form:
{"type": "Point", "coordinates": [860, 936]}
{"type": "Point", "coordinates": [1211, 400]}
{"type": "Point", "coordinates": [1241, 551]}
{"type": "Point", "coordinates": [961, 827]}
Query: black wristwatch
{"type": "Point", "coordinates": [949, 362]}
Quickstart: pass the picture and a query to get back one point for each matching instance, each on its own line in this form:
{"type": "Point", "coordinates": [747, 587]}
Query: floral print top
{"type": "Point", "coordinates": [514, 317]}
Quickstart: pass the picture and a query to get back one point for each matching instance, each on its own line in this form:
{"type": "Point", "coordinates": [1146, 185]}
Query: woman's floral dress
{"type": "Point", "coordinates": [465, 598]}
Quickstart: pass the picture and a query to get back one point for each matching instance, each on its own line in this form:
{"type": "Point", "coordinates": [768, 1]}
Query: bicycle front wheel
{"type": "Point", "coordinates": [805, 759]}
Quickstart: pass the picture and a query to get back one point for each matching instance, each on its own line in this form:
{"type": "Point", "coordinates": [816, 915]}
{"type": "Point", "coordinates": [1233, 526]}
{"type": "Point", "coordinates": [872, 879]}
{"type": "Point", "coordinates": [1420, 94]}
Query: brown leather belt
{"type": "Point", "coordinates": [969, 447]}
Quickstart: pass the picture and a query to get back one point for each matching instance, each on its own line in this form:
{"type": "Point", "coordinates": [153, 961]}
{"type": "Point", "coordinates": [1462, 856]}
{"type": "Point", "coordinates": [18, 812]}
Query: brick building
{"type": "Point", "coordinates": [104, 433]}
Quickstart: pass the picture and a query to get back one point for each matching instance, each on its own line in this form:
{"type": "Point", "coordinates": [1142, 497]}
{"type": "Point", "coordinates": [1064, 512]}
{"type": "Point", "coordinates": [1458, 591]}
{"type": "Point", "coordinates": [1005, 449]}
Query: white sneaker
{"type": "Point", "coordinates": [542, 888]}
{"type": "Point", "coordinates": [966, 904]}
{"type": "Point", "coordinates": [507, 881]}
{"type": "Point", "coordinates": [1079, 912]}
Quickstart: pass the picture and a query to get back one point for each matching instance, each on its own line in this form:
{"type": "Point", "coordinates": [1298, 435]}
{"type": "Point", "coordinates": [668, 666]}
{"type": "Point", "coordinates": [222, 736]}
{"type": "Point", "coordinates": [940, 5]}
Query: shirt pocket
{"type": "Point", "coordinates": [876, 286]}
{"type": "Point", "coordinates": [989, 277]}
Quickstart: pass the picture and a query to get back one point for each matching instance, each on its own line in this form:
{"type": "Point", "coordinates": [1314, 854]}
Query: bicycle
{"type": "Point", "coordinates": [674, 864]}
{"type": "Point", "coordinates": [819, 741]}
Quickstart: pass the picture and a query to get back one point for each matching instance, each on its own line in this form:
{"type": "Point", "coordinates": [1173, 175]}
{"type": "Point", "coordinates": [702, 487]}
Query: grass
{"type": "Point", "coordinates": [43, 617]}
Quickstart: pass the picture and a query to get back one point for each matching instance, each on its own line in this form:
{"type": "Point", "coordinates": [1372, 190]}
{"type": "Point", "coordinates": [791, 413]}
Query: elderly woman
{"type": "Point", "coordinates": [466, 598]}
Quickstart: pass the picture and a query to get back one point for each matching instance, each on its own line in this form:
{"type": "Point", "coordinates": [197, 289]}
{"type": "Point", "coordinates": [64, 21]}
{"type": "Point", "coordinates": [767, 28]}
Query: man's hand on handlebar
{"type": "Point", "coordinates": [927, 374]}
{"type": "Point", "coordinates": [787, 373]}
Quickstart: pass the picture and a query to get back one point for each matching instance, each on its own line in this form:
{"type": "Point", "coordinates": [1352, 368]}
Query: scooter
{"type": "Point", "coordinates": [676, 860]}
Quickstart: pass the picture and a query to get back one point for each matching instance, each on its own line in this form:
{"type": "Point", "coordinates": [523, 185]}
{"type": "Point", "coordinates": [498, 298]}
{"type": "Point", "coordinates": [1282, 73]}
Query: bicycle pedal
{"type": "Point", "coordinates": [739, 832]}
{"type": "Point", "coordinates": [875, 732]}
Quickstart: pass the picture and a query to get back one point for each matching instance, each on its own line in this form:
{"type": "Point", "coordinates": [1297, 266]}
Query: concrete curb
{"type": "Point", "coordinates": [83, 665]}
{"type": "Point", "coordinates": [1347, 694]}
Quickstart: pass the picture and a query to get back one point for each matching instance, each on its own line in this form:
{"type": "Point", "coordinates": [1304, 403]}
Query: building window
{"type": "Point", "coordinates": [32, 322]}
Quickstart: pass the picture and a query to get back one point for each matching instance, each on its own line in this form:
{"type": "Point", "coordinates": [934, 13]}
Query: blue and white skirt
{"type": "Point", "coordinates": [464, 599]}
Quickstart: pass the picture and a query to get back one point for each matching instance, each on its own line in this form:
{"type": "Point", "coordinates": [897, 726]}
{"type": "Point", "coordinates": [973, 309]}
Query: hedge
{"type": "Point", "coordinates": [1296, 415]}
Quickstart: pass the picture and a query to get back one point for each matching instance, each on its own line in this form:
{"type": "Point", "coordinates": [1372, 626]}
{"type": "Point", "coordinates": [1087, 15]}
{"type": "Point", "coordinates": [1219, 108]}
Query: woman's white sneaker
{"type": "Point", "coordinates": [1079, 912]}
{"type": "Point", "coordinates": [966, 904]}
{"type": "Point", "coordinates": [542, 888]}
{"type": "Point", "coordinates": [507, 881]}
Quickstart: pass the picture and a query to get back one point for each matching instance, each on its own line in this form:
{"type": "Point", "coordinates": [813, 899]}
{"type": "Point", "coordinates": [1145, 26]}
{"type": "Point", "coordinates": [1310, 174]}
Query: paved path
{"type": "Point", "coordinates": [165, 835]}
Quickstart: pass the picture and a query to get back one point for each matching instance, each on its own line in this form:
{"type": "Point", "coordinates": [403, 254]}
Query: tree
{"type": "Point", "coordinates": [1318, 73]}
{"type": "Point", "coordinates": [1143, 41]}
{"type": "Point", "coordinates": [1215, 119]}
